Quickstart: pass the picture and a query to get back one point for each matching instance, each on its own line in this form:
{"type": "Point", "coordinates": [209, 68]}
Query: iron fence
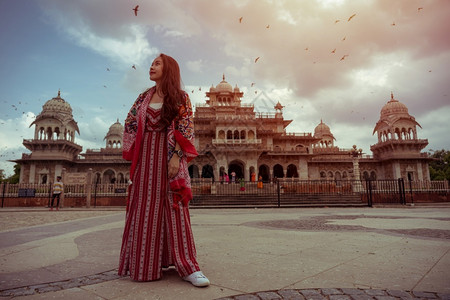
{"type": "Point", "coordinates": [274, 193]}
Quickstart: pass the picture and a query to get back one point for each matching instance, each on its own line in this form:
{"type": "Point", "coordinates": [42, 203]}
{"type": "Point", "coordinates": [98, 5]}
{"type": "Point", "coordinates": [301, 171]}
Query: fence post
{"type": "Point", "coordinates": [49, 193]}
{"type": "Point", "coordinates": [3, 193]}
{"type": "Point", "coordinates": [369, 192]}
{"type": "Point", "coordinates": [278, 193]}
{"type": "Point", "coordinates": [95, 192]}
{"type": "Point", "coordinates": [401, 190]}
{"type": "Point", "coordinates": [411, 191]}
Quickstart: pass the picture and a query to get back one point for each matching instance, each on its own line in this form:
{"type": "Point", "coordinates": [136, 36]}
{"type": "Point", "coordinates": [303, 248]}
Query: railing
{"type": "Point", "coordinates": [70, 190]}
{"type": "Point", "coordinates": [236, 142]}
{"type": "Point", "coordinates": [279, 190]}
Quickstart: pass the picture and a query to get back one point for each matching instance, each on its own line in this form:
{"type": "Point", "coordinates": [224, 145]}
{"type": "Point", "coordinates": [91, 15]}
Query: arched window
{"type": "Point", "coordinates": [366, 175]}
{"type": "Point", "coordinates": [207, 171]}
{"type": "Point", "coordinates": [292, 171]}
{"type": "Point", "coordinates": [236, 135]}
{"type": "Point", "coordinates": [278, 171]}
{"type": "Point", "coordinates": [193, 171]}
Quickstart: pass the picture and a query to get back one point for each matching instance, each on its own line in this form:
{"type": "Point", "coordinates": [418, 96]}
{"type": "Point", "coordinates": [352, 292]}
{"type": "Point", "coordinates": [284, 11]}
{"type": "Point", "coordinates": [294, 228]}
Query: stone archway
{"type": "Point", "coordinates": [208, 172]}
{"type": "Point", "coordinates": [278, 171]}
{"type": "Point", "coordinates": [264, 172]}
{"type": "Point", "coordinates": [108, 175]}
{"type": "Point", "coordinates": [292, 171]}
{"type": "Point", "coordinates": [193, 171]}
{"type": "Point", "coordinates": [237, 167]}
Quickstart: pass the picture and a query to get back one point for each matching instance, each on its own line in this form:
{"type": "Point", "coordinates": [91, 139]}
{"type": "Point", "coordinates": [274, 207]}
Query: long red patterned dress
{"type": "Point", "coordinates": [157, 233]}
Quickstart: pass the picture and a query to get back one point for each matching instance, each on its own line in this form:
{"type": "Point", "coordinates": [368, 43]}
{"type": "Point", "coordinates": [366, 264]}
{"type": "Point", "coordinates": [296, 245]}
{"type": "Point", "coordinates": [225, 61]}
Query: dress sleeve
{"type": "Point", "coordinates": [130, 130]}
{"type": "Point", "coordinates": [184, 129]}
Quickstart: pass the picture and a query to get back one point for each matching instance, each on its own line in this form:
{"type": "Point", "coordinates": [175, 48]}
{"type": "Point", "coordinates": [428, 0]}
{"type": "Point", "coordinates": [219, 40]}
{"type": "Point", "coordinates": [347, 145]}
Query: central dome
{"type": "Point", "coordinates": [393, 107]}
{"type": "Point", "coordinates": [116, 129]}
{"type": "Point", "coordinates": [321, 129]}
{"type": "Point", "coordinates": [57, 104]}
{"type": "Point", "coordinates": [224, 86]}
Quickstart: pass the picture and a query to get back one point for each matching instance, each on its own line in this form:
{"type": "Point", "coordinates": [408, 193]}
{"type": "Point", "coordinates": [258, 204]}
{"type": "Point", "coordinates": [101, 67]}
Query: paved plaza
{"type": "Point", "coordinates": [298, 253]}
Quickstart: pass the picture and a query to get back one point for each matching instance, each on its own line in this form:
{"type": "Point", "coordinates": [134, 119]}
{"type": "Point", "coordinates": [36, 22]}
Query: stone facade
{"type": "Point", "coordinates": [232, 137]}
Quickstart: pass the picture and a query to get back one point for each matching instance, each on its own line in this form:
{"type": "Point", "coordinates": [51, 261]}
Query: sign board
{"type": "Point", "coordinates": [75, 178]}
{"type": "Point", "coordinates": [27, 192]}
{"type": "Point", "coordinates": [120, 190]}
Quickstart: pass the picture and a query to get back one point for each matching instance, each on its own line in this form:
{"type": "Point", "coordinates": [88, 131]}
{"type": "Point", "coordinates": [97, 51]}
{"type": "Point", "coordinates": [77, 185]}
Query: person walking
{"type": "Point", "coordinates": [58, 188]}
{"type": "Point", "coordinates": [159, 141]}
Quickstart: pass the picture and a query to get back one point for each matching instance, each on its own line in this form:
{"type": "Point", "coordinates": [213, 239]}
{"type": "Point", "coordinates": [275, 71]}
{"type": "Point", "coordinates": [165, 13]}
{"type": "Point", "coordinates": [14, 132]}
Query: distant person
{"type": "Point", "coordinates": [260, 182]}
{"type": "Point", "coordinates": [253, 177]}
{"type": "Point", "coordinates": [225, 177]}
{"type": "Point", "coordinates": [233, 177]}
{"type": "Point", "coordinates": [58, 188]}
{"type": "Point", "coordinates": [159, 141]}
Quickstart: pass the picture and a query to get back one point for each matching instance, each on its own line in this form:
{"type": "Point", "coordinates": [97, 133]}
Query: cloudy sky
{"type": "Point", "coordinates": [314, 57]}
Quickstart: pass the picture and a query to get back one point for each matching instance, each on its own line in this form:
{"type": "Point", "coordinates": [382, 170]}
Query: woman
{"type": "Point", "coordinates": [159, 141]}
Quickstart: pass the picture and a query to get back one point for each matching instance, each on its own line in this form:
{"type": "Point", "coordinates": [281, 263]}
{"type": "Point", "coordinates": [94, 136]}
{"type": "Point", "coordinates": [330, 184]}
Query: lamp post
{"type": "Point", "coordinates": [356, 154]}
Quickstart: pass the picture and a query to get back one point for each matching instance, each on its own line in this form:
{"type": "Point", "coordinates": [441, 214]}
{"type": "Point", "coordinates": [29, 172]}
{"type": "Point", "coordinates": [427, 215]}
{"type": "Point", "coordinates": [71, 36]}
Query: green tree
{"type": "Point", "coordinates": [2, 175]}
{"type": "Point", "coordinates": [440, 166]}
{"type": "Point", "coordinates": [16, 176]}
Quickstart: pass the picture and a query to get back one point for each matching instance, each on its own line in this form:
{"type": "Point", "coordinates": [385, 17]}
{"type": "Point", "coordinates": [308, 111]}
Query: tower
{"type": "Point", "coordinates": [398, 144]}
{"type": "Point", "coordinates": [54, 140]}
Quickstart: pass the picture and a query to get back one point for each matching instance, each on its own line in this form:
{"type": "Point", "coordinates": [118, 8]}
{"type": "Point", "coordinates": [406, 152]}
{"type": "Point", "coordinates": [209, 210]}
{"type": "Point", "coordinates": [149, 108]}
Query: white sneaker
{"type": "Point", "coordinates": [197, 279]}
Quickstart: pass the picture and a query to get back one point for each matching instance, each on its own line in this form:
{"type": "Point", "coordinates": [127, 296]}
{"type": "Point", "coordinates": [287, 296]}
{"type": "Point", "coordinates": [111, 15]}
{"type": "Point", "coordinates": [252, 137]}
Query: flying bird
{"type": "Point", "coordinates": [351, 17]}
{"type": "Point", "coordinates": [252, 84]}
{"type": "Point", "coordinates": [267, 26]}
{"type": "Point", "coordinates": [200, 88]}
{"type": "Point", "coordinates": [334, 51]}
{"type": "Point", "coordinates": [306, 49]}
{"type": "Point", "coordinates": [343, 39]}
{"type": "Point", "coordinates": [256, 59]}
{"type": "Point", "coordinates": [107, 69]}
{"type": "Point", "coordinates": [335, 22]}
{"type": "Point", "coordinates": [418, 10]}
{"type": "Point", "coordinates": [136, 9]}
{"type": "Point", "coordinates": [343, 57]}
{"type": "Point", "coordinates": [393, 24]}
{"type": "Point", "coordinates": [240, 19]}
{"type": "Point", "coordinates": [134, 67]}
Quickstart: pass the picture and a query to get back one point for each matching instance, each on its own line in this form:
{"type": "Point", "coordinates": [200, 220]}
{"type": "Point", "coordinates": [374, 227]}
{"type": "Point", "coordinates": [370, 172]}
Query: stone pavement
{"type": "Point", "coordinates": [298, 253]}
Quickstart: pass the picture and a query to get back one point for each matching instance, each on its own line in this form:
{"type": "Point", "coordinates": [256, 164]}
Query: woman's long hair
{"type": "Point", "coordinates": [170, 86]}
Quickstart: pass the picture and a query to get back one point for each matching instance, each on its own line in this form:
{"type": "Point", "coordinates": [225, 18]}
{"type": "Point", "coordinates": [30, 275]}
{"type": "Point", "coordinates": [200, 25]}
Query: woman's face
{"type": "Point", "coordinates": [156, 70]}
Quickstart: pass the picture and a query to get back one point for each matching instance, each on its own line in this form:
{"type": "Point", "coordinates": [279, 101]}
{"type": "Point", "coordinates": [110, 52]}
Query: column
{"type": "Point", "coordinates": [88, 188]}
{"type": "Point", "coordinates": [303, 169]}
{"type": "Point", "coordinates": [396, 170]}
{"type": "Point", "coordinates": [419, 171]}
{"type": "Point", "coordinates": [32, 173]}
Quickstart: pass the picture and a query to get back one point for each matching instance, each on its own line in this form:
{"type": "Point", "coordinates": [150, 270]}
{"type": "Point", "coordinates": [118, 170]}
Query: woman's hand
{"type": "Point", "coordinates": [174, 165]}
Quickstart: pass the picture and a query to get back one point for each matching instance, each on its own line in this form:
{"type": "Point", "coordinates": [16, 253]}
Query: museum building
{"type": "Point", "coordinates": [232, 137]}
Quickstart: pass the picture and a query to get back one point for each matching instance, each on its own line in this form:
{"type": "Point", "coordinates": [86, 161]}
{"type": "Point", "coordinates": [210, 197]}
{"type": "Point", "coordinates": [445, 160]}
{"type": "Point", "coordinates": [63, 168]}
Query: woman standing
{"type": "Point", "coordinates": [159, 141]}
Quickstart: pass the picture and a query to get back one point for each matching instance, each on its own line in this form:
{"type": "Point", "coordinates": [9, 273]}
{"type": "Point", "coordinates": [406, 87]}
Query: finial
{"type": "Point", "coordinates": [59, 93]}
{"type": "Point", "coordinates": [223, 77]}
{"type": "Point", "coordinates": [117, 120]}
{"type": "Point", "coordinates": [392, 96]}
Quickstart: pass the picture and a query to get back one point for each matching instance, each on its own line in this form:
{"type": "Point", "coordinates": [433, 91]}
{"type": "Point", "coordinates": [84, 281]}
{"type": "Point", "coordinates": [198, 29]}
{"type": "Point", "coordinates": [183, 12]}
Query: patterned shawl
{"type": "Point", "coordinates": [181, 130]}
